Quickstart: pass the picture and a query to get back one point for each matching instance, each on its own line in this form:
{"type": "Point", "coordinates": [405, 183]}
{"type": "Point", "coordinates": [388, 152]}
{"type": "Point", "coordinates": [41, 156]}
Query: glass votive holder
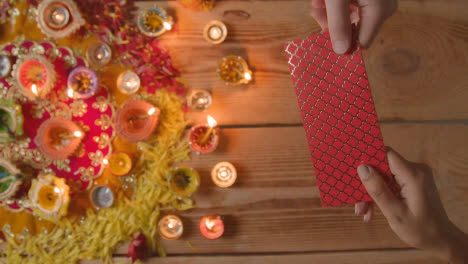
{"type": "Point", "coordinates": [82, 83]}
{"type": "Point", "coordinates": [154, 21]}
{"type": "Point", "coordinates": [183, 181]}
{"type": "Point", "coordinates": [199, 100]}
{"type": "Point", "coordinates": [99, 54]}
{"type": "Point", "coordinates": [234, 70]}
{"type": "Point", "coordinates": [101, 197]}
{"type": "Point", "coordinates": [215, 32]}
{"type": "Point", "coordinates": [170, 227]}
{"type": "Point", "coordinates": [128, 82]}
{"type": "Point", "coordinates": [50, 195]}
{"type": "Point", "coordinates": [136, 120]}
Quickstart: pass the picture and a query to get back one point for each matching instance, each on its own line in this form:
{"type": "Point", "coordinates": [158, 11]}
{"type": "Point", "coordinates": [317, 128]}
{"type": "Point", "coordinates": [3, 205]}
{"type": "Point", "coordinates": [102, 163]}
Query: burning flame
{"type": "Point", "coordinates": [70, 93]}
{"type": "Point", "coordinates": [151, 111]}
{"type": "Point", "coordinates": [56, 189]}
{"type": "Point", "coordinates": [247, 76]}
{"type": "Point", "coordinates": [211, 121]}
{"type": "Point", "coordinates": [78, 134]}
{"type": "Point", "coordinates": [167, 25]}
{"type": "Point", "coordinates": [209, 224]}
{"type": "Point", "coordinates": [34, 89]}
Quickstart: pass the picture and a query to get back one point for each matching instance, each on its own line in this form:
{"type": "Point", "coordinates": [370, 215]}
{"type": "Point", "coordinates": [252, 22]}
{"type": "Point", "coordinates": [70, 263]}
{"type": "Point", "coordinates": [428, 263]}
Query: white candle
{"type": "Point", "coordinates": [128, 82]}
{"type": "Point", "coordinates": [224, 174]}
{"type": "Point", "coordinates": [215, 32]}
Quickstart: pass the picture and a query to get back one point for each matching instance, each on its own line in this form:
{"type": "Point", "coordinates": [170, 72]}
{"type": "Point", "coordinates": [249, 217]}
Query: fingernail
{"type": "Point", "coordinates": [367, 218]}
{"type": "Point", "coordinates": [363, 171]}
{"type": "Point", "coordinates": [340, 46]}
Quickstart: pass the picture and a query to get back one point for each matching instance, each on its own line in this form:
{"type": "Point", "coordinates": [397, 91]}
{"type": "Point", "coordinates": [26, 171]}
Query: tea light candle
{"type": "Point", "coordinates": [120, 163]}
{"type": "Point", "coordinates": [99, 53]}
{"type": "Point", "coordinates": [154, 21]}
{"type": "Point", "coordinates": [215, 32]}
{"type": "Point", "coordinates": [128, 82]}
{"type": "Point", "coordinates": [82, 83]}
{"type": "Point", "coordinates": [204, 138]}
{"type": "Point", "coordinates": [170, 227]}
{"type": "Point", "coordinates": [5, 65]}
{"type": "Point", "coordinates": [58, 16]}
{"type": "Point", "coordinates": [224, 174]}
{"type": "Point", "coordinates": [234, 70]}
{"type": "Point", "coordinates": [211, 227]}
{"type": "Point", "coordinates": [102, 197]}
{"type": "Point", "coordinates": [184, 181]}
{"type": "Point", "coordinates": [199, 100]}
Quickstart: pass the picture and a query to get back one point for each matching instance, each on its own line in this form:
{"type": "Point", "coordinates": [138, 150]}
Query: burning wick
{"type": "Point", "coordinates": [105, 161]}
{"type": "Point", "coordinates": [70, 93]}
{"type": "Point", "coordinates": [151, 111]}
{"type": "Point", "coordinates": [210, 224]}
{"type": "Point", "coordinates": [56, 189]}
{"type": "Point", "coordinates": [247, 76]}
{"type": "Point", "coordinates": [167, 25]}
{"type": "Point", "coordinates": [212, 124]}
{"type": "Point", "coordinates": [34, 89]}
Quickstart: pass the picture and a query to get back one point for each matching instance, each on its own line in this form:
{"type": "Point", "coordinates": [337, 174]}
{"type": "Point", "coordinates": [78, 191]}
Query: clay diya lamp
{"type": "Point", "coordinates": [119, 163]}
{"type": "Point", "coordinates": [136, 120]}
{"type": "Point", "coordinates": [82, 83]}
{"type": "Point", "coordinates": [170, 227]}
{"type": "Point", "coordinates": [50, 195]}
{"type": "Point", "coordinates": [11, 121]}
{"type": "Point", "coordinates": [234, 70]}
{"type": "Point", "coordinates": [183, 181]}
{"type": "Point", "coordinates": [35, 76]}
{"type": "Point", "coordinates": [211, 227]}
{"type": "Point", "coordinates": [101, 197]}
{"type": "Point", "coordinates": [154, 21]}
{"type": "Point", "coordinates": [10, 179]}
{"type": "Point", "coordinates": [204, 138]}
{"type": "Point", "coordinates": [58, 138]}
{"type": "Point", "coordinates": [58, 18]}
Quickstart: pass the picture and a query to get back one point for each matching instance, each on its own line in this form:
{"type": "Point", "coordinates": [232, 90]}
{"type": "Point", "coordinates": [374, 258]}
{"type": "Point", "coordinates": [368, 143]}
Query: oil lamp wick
{"type": "Point", "coordinates": [212, 124]}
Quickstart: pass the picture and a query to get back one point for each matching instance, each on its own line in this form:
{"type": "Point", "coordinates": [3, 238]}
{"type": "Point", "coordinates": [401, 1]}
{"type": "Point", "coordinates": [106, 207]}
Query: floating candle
{"type": "Point", "coordinates": [211, 227]}
{"type": "Point", "coordinates": [215, 32]}
{"type": "Point", "coordinates": [128, 82]}
{"type": "Point", "coordinates": [101, 197]}
{"type": "Point", "coordinates": [120, 163]}
{"type": "Point", "coordinates": [82, 83]}
{"type": "Point", "coordinates": [234, 70]}
{"type": "Point", "coordinates": [199, 100]}
{"type": "Point", "coordinates": [99, 54]}
{"type": "Point", "coordinates": [50, 196]}
{"type": "Point", "coordinates": [5, 65]}
{"type": "Point", "coordinates": [136, 120]}
{"type": "Point", "coordinates": [170, 227]}
{"type": "Point", "coordinates": [224, 174]}
{"type": "Point", "coordinates": [154, 21]}
{"type": "Point", "coordinates": [184, 181]}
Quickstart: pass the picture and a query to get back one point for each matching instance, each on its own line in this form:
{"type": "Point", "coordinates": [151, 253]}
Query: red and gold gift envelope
{"type": "Point", "coordinates": [339, 118]}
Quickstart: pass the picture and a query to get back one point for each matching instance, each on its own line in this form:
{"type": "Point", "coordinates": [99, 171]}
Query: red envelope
{"type": "Point", "coordinates": [339, 118]}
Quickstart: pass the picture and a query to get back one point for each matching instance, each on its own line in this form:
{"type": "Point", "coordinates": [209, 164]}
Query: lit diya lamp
{"type": "Point", "coordinates": [215, 32]}
{"type": "Point", "coordinates": [99, 54]}
{"type": "Point", "coordinates": [5, 66]}
{"type": "Point", "coordinates": [204, 138]}
{"type": "Point", "coordinates": [101, 197]}
{"type": "Point", "coordinates": [136, 120]}
{"type": "Point", "coordinates": [224, 174]}
{"type": "Point", "coordinates": [82, 83]}
{"type": "Point", "coordinates": [11, 121]}
{"type": "Point", "coordinates": [170, 227]}
{"type": "Point", "coordinates": [58, 18]}
{"type": "Point", "coordinates": [154, 21]}
{"type": "Point", "coordinates": [128, 82]}
{"type": "Point", "coordinates": [50, 195]}
{"type": "Point", "coordinates": [199, 100]}
{"type": "Point", "coordinates": [35, 76]}
{"type": "Point", "coordinates": [234, 70]}
{"type": "Point", "coordinates": [10, 179]}
{"type": "Point", "coordinates": [119, 163]}
{"type": "Point", "coordinates": [184, 181]}
{"type": "Point", "coordinates": [211, 227]}
{"type": "Point", "coordinates": [58, 137]}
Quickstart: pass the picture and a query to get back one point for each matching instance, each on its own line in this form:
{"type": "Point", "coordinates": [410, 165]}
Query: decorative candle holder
{"type": "Point", "coordinates": [128, 82]}
{"type": "Point", "coordinates": [58, 18]}
{"type": "Point", "coordinates": [50, 195]}
{"type": "Point", "coordinates": [99, 54]}
{"type": "Point", "coordinates": [204, 138]}
{"type": "Point", "coordinates": [58, 138]}
{"type": "Point", "coordinates": [11, 121]}
{"type": "Point", "coordinates": [10, 179]}
{"type": "Point", "coordinates": [82, 83]}
{"type": "Point", "coordinates": [154, 21]}
{"type": "Point", "coordinates": [120, 163]}
{"type": "Point", "coordinates": [211, 227]}
{"type": "Point", "coordinates": [170, 227]}
{"type": "Point", "coordinates": [183, 181]}
{"type": "Point", "coordinates": [224, 174]}
{"type": "Point", "coordinates": [234, 70]}
{"type": "Point", "coordinates": [199, 100]}
{"type": "Point", "coordinates": [101, 197]}
{"type": "Point", "coordinates": [35, 76]}
{"type": "Point", "coordinates": [5, 66]}
{"type": "Point", "coordinates": [136, 120]}
{"type": "Point", "coordinates": [215, 32]}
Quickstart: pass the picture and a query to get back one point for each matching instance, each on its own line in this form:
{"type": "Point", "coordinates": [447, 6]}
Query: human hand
{"type": "Point", "coordinates": [337, 16]}
{"type": "Point", "coordinates": [419, 219]}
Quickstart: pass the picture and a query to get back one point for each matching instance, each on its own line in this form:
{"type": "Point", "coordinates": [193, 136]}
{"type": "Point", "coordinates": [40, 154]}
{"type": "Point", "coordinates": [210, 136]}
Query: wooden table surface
{"type": "Point", "coordinates": [418, 70]}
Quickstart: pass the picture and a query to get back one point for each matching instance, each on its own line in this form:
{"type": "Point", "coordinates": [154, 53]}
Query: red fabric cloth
{"type": "Point", "coordinates": [339, 118]}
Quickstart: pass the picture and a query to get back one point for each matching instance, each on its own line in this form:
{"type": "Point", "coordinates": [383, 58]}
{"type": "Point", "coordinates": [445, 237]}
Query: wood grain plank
{"type": "Point", "coordinates": [275, 207]}
{"type": "Point", "coordinates": [374, 257]}
{"type": "Point", "coordinates": [417, 66]}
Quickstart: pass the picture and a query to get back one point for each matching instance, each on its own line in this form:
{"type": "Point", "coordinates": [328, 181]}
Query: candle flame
{"type": "Point", "coordinates": [78, 134]}
{"type": "Point", "coordinates": [209, 223]}
{"type": "Point", "coordinates": [56, 189]}
{"type": "Point", "coordinates": [170, 224]}
{"type": "Point", "coordinates": [70, 93]}
{"type": "Point", "coordinates": [248, 76]}
{"type": "Point", "coordinates": [34, 89]}
{"type": "Point", "coordinates": [151, 111]}
{"type": "Point", "coordinates": [105, 161]}
{"type": "Point", "coordinates": [211, 121]}
{"type": "Point", "coordinates": [167, 25]}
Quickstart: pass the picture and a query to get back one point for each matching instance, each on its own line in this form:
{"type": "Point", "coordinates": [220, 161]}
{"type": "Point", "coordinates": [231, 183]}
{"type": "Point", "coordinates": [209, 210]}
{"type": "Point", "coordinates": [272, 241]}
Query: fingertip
{"type": "Point", "coordinates": [364, 171]}
{"type": "Point", "coordinates": [341, 46]}
{"type": "Point", "coordinates": [369, 215]}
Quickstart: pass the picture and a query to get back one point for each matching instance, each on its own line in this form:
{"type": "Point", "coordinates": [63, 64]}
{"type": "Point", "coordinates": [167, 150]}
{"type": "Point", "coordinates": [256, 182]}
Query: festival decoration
{"type": "Point", "coordinates": [58, 19]}
{"type": "Point", "coordinates": [170, 227]}
{"type": "Point", "coordinates": [82, 83]}
{"type": "Point", "coordinates": [154, 21]}
{"type": "Point", "coordinates": [136, 120]}
{"type": "Point", "coordinates": [101, 197]}
{"type": "Point", "coordinates": [49, 196]}
{"type": "Point", "coordinates": [211, 227]}
{"type": "Point", "coordinates": [11, 121]}
{"type": "Point", "coordinates": [99, 54]}
{"type": "Point", "coordinates": [128, 82]}
{"type": "Point", "coordinates": [233, 70]}
{"type": "Point", "coordinates": [224, 174]}
{"type": "Point", "coordinates": [184, 181]}
{"type": "Point", "coordinates": [137, 248]}
{"type": "Point", "coordinates": [5, 66]}
{"type": "Point", "coordinates": [10, 179]}
{"type": "Point", "coordinates": [120, 163]}
{"type": "Point", "coordinates": [215, 32]}
{"type": "Point", "coordinates": [199, 100]}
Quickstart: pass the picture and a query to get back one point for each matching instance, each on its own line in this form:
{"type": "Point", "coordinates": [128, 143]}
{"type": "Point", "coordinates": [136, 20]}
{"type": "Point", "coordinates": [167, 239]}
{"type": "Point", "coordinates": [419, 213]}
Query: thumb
{"type": "Point", "coordinates": [388, 203]}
